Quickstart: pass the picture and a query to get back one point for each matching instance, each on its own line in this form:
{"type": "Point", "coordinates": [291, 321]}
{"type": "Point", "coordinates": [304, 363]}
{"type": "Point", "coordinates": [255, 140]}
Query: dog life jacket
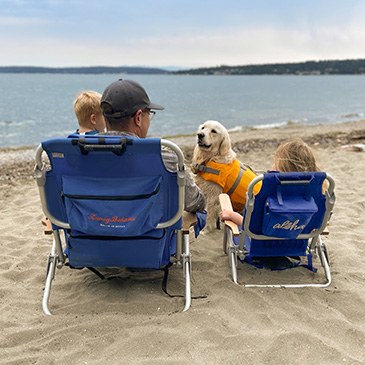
{"type": "Point", "coordinates": [234, 178]}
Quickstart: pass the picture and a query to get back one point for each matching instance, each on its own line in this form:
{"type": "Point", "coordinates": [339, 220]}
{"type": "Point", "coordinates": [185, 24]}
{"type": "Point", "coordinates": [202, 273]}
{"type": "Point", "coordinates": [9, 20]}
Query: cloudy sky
{"type": "Point", "coordinates": [189, 33]}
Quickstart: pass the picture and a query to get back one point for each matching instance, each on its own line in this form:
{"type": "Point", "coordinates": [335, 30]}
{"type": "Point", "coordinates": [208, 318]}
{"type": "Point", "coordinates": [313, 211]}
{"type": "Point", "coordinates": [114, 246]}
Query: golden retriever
{"type": "Point", "coordinates": [217, 170]}
{"type": "Point", "coordinates": [213, 144]}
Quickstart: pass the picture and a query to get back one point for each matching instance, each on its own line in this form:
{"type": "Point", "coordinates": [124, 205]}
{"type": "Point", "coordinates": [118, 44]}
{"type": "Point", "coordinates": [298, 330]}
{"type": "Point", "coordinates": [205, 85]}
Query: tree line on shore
{"type": "Point", "coordinates": [334, 67]}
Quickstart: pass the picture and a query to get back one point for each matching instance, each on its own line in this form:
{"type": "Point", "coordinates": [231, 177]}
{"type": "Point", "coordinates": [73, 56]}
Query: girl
{"type": "Point", "coordinates": [292, 156]}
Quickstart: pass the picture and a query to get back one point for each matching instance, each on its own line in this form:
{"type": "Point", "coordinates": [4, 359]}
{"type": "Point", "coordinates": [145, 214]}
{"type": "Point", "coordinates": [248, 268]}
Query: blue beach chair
{"type": "Point", "coordinates": [285, 219]}
{"type": "Point", "coordinates": [115, 203]}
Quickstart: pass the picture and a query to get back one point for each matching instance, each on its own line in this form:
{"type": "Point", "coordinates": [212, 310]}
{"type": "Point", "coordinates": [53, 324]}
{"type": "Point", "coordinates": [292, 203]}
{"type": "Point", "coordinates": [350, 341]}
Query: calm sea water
{"type": "Point", "coordinates": [35, 107]}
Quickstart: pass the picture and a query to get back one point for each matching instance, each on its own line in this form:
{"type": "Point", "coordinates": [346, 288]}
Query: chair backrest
{"type": "Point", "coordinates": [288, 206]}
{"type": "Point", "coordinates": [111, 187]}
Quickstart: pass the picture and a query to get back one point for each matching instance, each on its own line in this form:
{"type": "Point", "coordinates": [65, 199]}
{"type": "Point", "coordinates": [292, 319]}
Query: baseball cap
{"type": "Point", "coordinates": [126, 97]}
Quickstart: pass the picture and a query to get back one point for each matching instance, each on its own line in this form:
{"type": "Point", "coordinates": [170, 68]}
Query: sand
{"type": "Point", "coordinates": [129, 320]}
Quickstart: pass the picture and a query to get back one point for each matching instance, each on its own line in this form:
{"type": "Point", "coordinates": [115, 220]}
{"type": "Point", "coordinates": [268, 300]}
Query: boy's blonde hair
{"type": "Point", "coordinates": [294, 156]}
{"type": "Point", "coordinates": [85, 104]}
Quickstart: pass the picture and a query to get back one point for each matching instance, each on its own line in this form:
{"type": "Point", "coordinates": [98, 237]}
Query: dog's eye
{"type": "Point", "coordinates": [202, 128]}
{"type": "Point", "coordinates": [214, 131]}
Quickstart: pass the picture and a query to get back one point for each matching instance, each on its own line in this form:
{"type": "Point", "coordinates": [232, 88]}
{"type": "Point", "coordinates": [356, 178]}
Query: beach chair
{"type": "Point", "coordinates": [112, 203]}
{"type": "Point", "coordinates": [285, 219]}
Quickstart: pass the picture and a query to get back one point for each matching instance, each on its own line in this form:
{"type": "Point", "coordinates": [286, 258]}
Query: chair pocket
{"type": "Point", "coordinates": [113, 207]}
{"type": "Point", "coordinates": [287, 216]}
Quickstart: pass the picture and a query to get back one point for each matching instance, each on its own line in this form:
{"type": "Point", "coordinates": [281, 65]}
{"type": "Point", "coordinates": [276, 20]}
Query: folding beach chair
{"type": "Point", "coordinates": [285, 219]}
{"type": "Point", "coordinates": [112, 203]}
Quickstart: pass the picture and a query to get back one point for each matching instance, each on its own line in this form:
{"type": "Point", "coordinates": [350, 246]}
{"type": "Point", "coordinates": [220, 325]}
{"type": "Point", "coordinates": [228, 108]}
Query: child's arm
{"type": "Point", "coordinates": [226, 206]}
{"type": "Point", "coordinates": [231, 216]}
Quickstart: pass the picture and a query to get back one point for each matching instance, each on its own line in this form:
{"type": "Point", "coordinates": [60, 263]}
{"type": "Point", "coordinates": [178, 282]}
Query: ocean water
{"type": "Point", "coordinates": [36, 107]}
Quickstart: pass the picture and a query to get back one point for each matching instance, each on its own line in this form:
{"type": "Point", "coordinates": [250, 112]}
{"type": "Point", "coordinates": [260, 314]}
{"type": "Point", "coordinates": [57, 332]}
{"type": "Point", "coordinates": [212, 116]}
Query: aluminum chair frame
{"type": "Point", "coordinates": [57, 258]}
{"type": "Point", "coordinates": [315, 247]}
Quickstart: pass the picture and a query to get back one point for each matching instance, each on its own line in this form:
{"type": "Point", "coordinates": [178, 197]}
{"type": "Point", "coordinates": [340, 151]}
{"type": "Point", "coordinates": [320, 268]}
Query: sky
{"type": "Point", "coordinates": [186, 34]}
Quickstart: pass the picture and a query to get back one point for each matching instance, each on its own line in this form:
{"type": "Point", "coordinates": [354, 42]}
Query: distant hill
{"type": "Point", "coordinates": [82, 70]}
{"type": "Point", "coordinates": [335, 67]}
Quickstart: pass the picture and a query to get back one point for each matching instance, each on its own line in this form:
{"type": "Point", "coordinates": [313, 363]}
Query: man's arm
{"type": "Point", "coordinates": [194, 197]}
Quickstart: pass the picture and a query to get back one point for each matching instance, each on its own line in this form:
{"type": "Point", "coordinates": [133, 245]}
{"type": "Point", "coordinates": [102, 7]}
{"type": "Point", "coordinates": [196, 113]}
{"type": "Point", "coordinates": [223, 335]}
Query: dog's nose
{"type": "Point", "coordinates": [200, 135]}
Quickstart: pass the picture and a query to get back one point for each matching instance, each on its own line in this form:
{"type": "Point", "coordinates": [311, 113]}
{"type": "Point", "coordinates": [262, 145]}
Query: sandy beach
{"type": "Point", "coordinates": [129, 320]}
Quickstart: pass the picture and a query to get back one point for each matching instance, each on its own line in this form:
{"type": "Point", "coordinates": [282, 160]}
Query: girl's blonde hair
{"type": "Point", "coordinates": [294, 156]}
{"type": "Point", "coordinates": [86, 104]}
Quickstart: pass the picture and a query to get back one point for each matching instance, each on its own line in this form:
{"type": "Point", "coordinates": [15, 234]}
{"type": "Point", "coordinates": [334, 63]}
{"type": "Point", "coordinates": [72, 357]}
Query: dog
{"type": "Point", "coordinates": [218, 170]}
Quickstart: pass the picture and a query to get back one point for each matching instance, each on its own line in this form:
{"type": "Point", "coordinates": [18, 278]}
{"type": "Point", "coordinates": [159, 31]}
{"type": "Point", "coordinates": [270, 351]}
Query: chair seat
{"type": "Point", "coordinates": [264, 248]}
{"type": "Point", "coordinates": [115, 202]}
{"type": "Point", "coordinates": [284, 219]}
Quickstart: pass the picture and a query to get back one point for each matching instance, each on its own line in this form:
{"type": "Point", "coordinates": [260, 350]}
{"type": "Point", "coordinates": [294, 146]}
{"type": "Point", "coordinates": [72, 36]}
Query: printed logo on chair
{"type": "Point", "coordinates": [107, 221]}
{"type": "Point", "coordinates": [58, 155]}
{"type": "Point", "coordinates": [287, 216]}
{"type": "Point", "coordinates": [284, 228]}
{"type": "Point", "coordinates": [291, 226]}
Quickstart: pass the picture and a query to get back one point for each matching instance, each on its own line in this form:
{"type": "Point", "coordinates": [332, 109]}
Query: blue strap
{"type": "Point", "coordinates": [200, 224]}
{"type": "Point", "coordinates": [309, 266]}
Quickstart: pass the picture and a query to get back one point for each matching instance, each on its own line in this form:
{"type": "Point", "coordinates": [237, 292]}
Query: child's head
{"type": "Point", "coordinates": [294, 156]}
{"type": "Point", "coordinates": [88, 111]}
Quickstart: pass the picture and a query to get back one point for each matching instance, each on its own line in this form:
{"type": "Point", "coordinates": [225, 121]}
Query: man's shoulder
{"type": "Point", "coordinates": [118, 133]}
{"type": "Point", "coordinates": [168, 153]}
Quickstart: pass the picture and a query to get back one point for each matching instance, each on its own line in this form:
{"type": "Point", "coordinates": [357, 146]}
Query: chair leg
{"type": "Point", "coordinates": [179, 240]}
{"type": "Point", "coordinates": [232, 255]}
{"type": "Point", "coordinates": [187, 270]}
{"type": "Point", "coordinates": [225, 240]}
{"type": "Point", "coordinates": [233, 267]}
{"type": "Point", "coordinates": [323, 255]}
{"type": "Point", "coordinates": [51, 268]}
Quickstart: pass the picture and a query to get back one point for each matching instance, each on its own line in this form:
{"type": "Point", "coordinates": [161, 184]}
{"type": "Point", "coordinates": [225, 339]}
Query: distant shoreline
{"type": "Point", "coordinates": [332, 67]}
{"type": "Point", "coordinates": [327, 67]}
{"type": "Point", "coordinates": [83, 70]}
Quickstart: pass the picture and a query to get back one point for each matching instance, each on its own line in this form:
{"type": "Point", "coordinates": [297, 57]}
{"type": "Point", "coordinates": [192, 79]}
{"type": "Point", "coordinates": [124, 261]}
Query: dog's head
{"type": "Point", "coordinates": [213, 140]}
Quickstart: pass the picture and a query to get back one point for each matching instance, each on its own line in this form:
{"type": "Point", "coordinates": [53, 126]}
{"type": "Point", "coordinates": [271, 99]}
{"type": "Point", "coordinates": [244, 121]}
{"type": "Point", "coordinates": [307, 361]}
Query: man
{"type": "Point", "coordinates": [127, 111]}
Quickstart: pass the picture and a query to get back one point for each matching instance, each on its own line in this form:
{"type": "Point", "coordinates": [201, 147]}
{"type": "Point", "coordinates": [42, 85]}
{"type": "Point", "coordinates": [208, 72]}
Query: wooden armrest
{"type": "Point", "coordinates": [325, 232]}
{"type": "Point", "coordinates": [188, 220]}
{"type": "Point", "coordinates": [226, 204]}
{"type": "Point", "coordinates": [47, 223]}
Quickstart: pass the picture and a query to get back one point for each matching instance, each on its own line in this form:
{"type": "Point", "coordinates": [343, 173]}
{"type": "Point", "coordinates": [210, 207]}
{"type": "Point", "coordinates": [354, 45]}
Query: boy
{"type": "Point", "coordinates": [88, 113]}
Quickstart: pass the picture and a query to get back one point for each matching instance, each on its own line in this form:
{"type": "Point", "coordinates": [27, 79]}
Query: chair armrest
{"type": "Point", "coordinates": [225, 203]}
{"type": "Point", "coordinates": [188, 220]}
{"type": "Point", "coordinates": [46, 222]}
{"type": "Point", "coordinates": [325, 232]}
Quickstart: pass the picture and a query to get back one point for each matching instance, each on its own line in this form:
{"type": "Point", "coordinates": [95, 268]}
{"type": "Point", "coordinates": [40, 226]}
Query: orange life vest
{"type": "Point", "coordinates": [234, 178]}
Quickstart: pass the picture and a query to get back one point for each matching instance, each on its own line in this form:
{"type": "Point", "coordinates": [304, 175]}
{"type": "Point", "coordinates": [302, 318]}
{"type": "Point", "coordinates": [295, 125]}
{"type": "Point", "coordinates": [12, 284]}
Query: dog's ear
{"type": "Point", "coordinates": [225, 145]}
